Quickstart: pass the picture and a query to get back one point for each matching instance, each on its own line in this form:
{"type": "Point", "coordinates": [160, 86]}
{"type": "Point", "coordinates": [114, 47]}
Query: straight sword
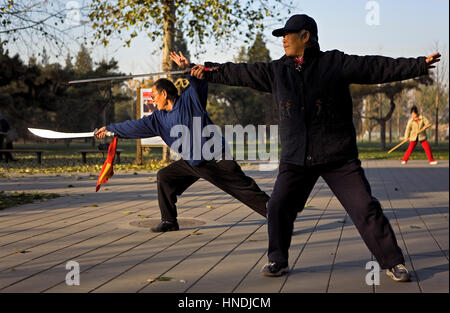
{"type": "Point", "coordinates": [100, 79]}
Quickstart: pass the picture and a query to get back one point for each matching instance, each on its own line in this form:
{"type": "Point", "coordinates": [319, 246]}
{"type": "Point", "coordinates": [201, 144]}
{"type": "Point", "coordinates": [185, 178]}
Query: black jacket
{"type": "Point", "coordinates": [315, 106]}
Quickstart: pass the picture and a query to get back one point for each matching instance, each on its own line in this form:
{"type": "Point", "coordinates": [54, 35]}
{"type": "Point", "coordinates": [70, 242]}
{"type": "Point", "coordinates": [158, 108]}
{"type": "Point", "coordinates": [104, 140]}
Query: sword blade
{"type": "Point", "coordinates": [50, 134]}
{"type": "Point", "coordinates": [100, 79]}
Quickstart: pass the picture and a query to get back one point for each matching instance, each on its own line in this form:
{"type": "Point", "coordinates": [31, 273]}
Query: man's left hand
{"type": "Point", "coordinates": [434, 58]}
{"type": "Point", "coordinates": [179, 59]}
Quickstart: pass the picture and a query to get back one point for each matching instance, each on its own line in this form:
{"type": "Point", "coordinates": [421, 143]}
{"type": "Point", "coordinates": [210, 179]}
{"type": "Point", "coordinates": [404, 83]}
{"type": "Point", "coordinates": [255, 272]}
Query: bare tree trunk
{"type": "Point", "coordinates": [382, 125]}
{"type": "Point", "coordinates": [168, 44]}
{"type": "Point", "coordinates": [382, 134]}
{"type": "Point", "coordinates": [168, 33]}
{"type": "Point", "coordinates": [436, 121]}
{"type": "Point", "coordinates": [398, 123]}
{"type": "Point", "coordinates": [369, 122]}
{"type": "Point", "coordinates": [390, 130]}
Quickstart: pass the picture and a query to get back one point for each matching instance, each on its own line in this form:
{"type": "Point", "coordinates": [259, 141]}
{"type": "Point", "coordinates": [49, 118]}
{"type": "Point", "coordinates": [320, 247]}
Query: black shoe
{"type": "Point", "coordinates": [274, 269]}
{"type": "Point", "coordinates": [165, 226]}
{"type": "Point", "coordinates": [398, 273]}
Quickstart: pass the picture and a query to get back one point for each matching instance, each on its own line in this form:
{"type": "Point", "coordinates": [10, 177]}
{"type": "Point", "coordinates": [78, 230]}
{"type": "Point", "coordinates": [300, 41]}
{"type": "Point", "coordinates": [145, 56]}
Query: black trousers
{"type": "Point", "coordinates": [350, 186]}
{"type": "Point", "coordinates": [227, 175]}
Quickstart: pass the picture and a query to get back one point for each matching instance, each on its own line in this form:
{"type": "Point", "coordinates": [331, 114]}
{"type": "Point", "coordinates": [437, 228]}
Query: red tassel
{"type": "Point", "coordinates": [107, 169]}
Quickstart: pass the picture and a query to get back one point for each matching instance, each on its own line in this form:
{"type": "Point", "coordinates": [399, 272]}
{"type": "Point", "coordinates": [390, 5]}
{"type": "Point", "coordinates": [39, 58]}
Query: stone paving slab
{"type": "Point", "coordinates": [226, 253]}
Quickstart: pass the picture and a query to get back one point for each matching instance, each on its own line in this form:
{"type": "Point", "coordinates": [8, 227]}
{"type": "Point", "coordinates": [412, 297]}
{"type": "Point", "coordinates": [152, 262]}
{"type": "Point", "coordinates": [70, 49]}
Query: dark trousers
{"type": "Point", "coordinates": [227, 175]}
{"type": "Point", "coordinates": [350, 186]}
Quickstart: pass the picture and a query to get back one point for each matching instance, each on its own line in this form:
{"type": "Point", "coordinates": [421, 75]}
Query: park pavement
{"type": "Point", "coordinates": [222, 244]}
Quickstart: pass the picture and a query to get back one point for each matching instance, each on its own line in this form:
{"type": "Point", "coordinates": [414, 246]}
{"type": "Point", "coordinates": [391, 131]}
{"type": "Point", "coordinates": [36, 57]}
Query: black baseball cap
{"type": "Point", "coordinates": [295, 24]}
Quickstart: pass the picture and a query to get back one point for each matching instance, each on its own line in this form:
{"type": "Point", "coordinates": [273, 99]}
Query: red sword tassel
{"type": "Point", "coordinates": [107, 169]}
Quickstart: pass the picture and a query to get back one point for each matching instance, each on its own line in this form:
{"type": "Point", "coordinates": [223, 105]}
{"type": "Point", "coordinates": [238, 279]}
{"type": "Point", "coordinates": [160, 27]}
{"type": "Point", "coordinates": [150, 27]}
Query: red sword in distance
{"type": "Point", "coordinates": [90, 80]}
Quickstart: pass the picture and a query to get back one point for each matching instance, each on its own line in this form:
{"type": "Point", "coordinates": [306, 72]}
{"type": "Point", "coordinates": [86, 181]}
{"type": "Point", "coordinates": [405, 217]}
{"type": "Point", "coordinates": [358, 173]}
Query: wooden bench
{"type": "Point", "coordinates": [38, 153]}
{"type": "Point", "coordinates": [84, 152]}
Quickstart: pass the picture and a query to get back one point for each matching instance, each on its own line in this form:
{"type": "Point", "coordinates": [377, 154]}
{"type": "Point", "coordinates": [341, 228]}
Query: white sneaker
{"type": "Point", "coordinates": [433, 163]}
{"type": "Point", "coordinates": [403, 162]}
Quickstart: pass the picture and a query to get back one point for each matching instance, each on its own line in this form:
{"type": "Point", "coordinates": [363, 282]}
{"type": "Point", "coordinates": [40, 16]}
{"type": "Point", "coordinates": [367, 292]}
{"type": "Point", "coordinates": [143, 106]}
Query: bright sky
{"type": "Point", "coordinates": [406, 28]}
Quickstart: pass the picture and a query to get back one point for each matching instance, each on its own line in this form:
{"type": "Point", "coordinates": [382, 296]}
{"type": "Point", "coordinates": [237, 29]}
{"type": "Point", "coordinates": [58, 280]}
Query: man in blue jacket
{"type": "Point", "coordinates": [311, 90]}
{"type": "Point", "coordinates": [181, 120]}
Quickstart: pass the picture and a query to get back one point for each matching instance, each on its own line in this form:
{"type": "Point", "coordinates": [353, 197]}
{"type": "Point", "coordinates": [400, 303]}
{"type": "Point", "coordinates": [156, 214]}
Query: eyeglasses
{"type": "Point", "coordinates": [154, 95]}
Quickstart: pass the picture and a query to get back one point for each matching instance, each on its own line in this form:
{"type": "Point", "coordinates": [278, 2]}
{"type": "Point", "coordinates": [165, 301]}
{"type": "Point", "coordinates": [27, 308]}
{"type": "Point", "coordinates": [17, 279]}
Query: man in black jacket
{"type": "Point", "coordinates": [311, 90]}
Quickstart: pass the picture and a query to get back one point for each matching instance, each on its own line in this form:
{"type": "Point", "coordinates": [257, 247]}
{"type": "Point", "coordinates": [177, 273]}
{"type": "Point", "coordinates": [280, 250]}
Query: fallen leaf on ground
{"type": "Point", "coordinates": [143, 216]}
{"type": "Point", "coordinates": [21, 251]}
{"type": "Point", "coordinates": [164, 278]}
{"type": "Point", "coordinates": [127, 212]}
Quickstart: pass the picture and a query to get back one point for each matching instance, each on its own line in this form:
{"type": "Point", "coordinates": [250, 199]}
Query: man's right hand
{"type": "Point", "coordinates": [100, 133]}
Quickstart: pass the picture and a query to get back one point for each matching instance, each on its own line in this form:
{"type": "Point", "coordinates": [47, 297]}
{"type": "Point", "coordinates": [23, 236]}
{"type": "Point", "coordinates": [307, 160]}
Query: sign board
{"type": "Point", "coordinates": [146, 108]}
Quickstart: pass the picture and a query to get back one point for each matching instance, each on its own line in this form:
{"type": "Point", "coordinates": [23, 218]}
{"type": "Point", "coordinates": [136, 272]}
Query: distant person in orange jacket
{"type": "Point", "coordinates": [415, 132]}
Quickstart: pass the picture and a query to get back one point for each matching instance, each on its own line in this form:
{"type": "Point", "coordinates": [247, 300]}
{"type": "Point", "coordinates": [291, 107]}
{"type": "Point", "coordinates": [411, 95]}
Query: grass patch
{"type": "Point", "coordinates": [10, 199]}
{"type": "Point", "coordinates": [59, 158]}
{"type": "Point", "coordinates": [67, 165]}
{"type": "Point", "coordinates": [372, 150]}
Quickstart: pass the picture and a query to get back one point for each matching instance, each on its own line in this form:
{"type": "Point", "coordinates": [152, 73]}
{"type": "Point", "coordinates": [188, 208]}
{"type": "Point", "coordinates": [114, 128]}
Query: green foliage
{"type": "Point", "coordinates": [198, 20]}
{"type": "Point", "coordinates": [37, 95]}
{"type": "Point", "coordinates": [83, 63]}
{"type": "Point", "coordinates": [258, 52]}
{"type": "Point", "coordinates": [244, 106]}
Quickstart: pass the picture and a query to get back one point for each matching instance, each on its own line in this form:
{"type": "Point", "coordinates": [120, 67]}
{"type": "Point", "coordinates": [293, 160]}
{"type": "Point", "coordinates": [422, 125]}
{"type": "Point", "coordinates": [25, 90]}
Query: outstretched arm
{"type": "Point", "coordinates": [379, 69]}
{"type": "Point", "coordinates": [258, 75]}
{"type": "Point", "coordinates": [142, 128]}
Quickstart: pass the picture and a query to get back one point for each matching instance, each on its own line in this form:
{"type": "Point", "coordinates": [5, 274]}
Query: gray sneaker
{"type": "Point", "coordinates": [398, 273]}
